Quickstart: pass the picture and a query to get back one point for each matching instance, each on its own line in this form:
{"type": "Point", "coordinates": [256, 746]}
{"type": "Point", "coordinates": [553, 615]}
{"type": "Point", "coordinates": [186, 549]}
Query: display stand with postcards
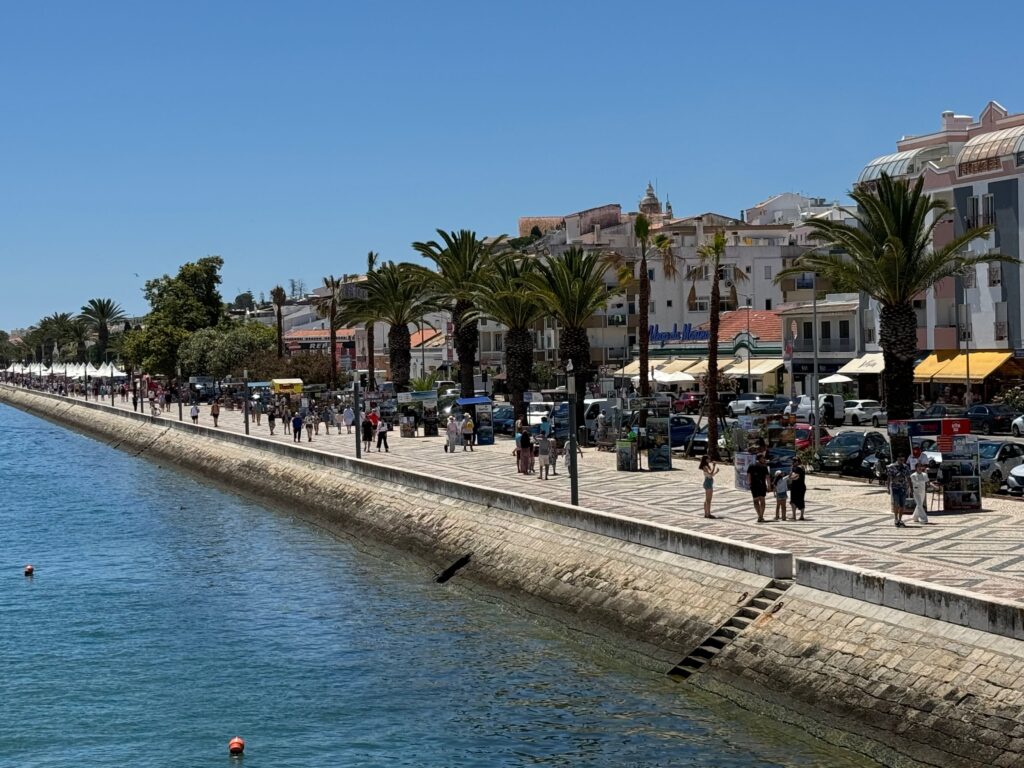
{"type": "Point", "coordinates": [961, 480]}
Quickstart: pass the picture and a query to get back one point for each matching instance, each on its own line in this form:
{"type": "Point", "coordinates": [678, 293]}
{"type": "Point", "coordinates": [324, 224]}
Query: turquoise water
{"type": "Point", "coordinates": [167, 616]}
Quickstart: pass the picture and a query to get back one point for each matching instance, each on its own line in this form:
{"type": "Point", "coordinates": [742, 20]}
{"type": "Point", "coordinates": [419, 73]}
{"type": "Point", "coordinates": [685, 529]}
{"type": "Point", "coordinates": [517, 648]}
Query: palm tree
{"type": "Point", "coordinates": [99, 315]}
{"type": "Point", "coordinates": [463, 262]}
{"type": "Point", "coordinates": [279, 297]}
{"type": "Point", "coordinates": [371, 352]}
{"type": "Point", "coordinates": [889, 256]}
{"type": "Point", "coordinates": [709, 259]}
{"type": "Point", "coordinates": [396, 294]}
{"type": "Point", "coordinates": [327, 306]}
{"type": "Point", "coordinates": [572, 288]}
{"type": "Point", "coordinates": [507, 298]}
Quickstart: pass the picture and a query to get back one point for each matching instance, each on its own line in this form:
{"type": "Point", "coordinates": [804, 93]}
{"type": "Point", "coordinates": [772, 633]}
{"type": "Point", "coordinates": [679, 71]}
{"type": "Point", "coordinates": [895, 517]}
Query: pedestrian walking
{"type": "Point", "coordinates": [757, 481]}
{"type": "Point", "coordinates": [543, 456]}
{"type": "Point", "coordinates": [709, 469]}
{"type": "Point", "coordinates": [899, 481]}
{"type": "Point", "coordinates": [194, 413]}
{"type": "Point", "coordinates": [215, 411]}
{"type": "Point", "coordinates": [467, 432]}
{"type": "Point", "coordinates": [271, 419]}
{"type": "Point", "coordinates": [310, 421]}
{"type": "Point", "coordinates": [919, 486]}
{"type": "Point", "coordinates": [258, 407]}
{"type": "Point", "coordinates": [797, 487]}
{"type": "Point", "coordinates": [286, 421]}
{"type": "Point", "coordinates": [780, 488]}
{"type": "Point", "coordinates": [296, 428]}
{"type": "Point", "coordinates": [382, 435]}
{"type": "Point", "coordinates": [553, 456]}
{"type": "Point", "coordinates": [525, 451]}
{"type": "Point", "coordinates": [451, 432]}
{"type": "Point", "coordinates": [367, 427]}
{"type": "Point", "coordinates": [349, 418]}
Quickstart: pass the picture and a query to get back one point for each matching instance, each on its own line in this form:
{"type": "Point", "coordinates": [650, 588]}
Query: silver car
{"type": "Point", "coordinates": [998, 458]}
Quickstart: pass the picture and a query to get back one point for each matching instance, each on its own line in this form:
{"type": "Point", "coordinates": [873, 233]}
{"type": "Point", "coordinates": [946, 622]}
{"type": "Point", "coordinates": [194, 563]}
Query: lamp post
{"type": "Point", "coordinates": [245, 399]}
{"type": "Point", "coordinates": [962, 336]}
{"type": "Point", "coordinates": [815, 429]}
{"type": "Point", "coordinates": [574, 484]}
{"type": "Point", "coordinates": [177, 381]}
{"type": "Point", "coordinates": [359, 422]}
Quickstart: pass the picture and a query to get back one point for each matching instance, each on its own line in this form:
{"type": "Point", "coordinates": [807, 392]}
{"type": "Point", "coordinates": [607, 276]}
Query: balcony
{"type": "Point", "coordinates": [824, 345]}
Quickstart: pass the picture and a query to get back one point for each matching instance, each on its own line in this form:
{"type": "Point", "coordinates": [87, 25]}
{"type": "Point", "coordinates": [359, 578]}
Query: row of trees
{"type": "Point", "coordinates": [67, 337]}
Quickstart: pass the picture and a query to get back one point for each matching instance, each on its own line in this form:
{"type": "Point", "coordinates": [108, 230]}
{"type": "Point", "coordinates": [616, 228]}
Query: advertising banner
{"type": "Point", "coordinates": [659, 445]}
{"type": "Point", "coordinates": [484, 424]}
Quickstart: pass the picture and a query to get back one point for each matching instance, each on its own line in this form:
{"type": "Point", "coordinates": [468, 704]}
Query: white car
{"type": "Point", "coordinates": [998, 459]}
{"type": "Point", "coordinates": [1017, 427]}
{"type": "Point", "coordinates": [857, 412]}
{"type": "Point", "coordinates": [804, 412]}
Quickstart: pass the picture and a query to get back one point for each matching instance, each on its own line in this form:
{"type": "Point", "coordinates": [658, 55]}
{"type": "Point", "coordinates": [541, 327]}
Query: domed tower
{"type": "Point", "coordinates": [650, 205]}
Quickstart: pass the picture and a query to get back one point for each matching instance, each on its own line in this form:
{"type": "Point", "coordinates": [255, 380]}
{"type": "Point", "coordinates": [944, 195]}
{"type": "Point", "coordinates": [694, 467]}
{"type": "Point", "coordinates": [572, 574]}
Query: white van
{"type": "Point", "coordinates": [536, 410]}
{"type": "Point", "coordinates": [592, 408]}
{"type": "Point", "coordinates": [830, 408]}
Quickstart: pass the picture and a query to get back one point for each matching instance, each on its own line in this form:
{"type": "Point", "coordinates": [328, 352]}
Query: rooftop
{"type": "Point", "coordinates": [764, 324]}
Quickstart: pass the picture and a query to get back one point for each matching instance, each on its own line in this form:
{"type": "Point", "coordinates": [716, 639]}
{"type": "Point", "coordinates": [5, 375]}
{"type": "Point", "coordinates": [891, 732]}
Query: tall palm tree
{"type": "Point", "coordinates": [463, 261]}
{"type": "Point", "coordinates": [396, 294]}
{"type": "Point", "coordinates": [889, 256]}
{"type": "Point", "coordinates": [99, 315]}
{"type": "Point", "coordinates": [507, 298]}
{"type": "Point", "coordinates": [709, 259]}
{"type": "Point", "coordinates": [327, 307]}
{"type": "Point", "coordinates": [279, 297]}
{"type": "Point", "coordinates": [572, 288]}
{"type": "Point", "coordinates": [371, 343]}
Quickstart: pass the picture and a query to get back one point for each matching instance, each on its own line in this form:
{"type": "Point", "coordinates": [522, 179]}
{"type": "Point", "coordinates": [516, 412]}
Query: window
{"type": "Point", "coordinates": [767, 303]}
{"type": "Point", "coordinates": [1020, 158]}
{"type": "Point", "coordinates": [826, 329]}
{"type": "Point", "coordinates": [767, 271]}
{"type": "Point", "coordinates": [994, 275]}
{"type": "Point", "coordinates": [844, 329]}
{"type": "Point", "coordinates": [703, 304]}
{"type": "Point", "coordinates": [972, 213]}
{"type": "Point", "coordinates": [808, 330]}
{"type": "Point", "coordinates": [650, 275]}
{"type": "Point", "coordinates": [499, 339]}
{"type": "Point", "coordinates": [650, 307]}
{"type": "Point", "coordinates": [988, 210]}
{"type": "Point", "coordinates": [805, 281]}
{"type": "Point", "coordinates": [919, 303]}
{"type": "Point", "coordinates": [969, 278]}
{"type": "Point", "coordinates": [668, 303]}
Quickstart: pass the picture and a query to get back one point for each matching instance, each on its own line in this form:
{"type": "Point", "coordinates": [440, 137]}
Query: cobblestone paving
{"type": "Point", "coordinates": [847, 521]}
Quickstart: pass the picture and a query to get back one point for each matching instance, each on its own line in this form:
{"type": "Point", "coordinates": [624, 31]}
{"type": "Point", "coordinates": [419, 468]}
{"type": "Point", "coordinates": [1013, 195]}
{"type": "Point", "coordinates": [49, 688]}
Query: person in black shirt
{"type": "Point", "coordinates": [757, 479]}
{"type": "Point", "coordinates": [797, 487]}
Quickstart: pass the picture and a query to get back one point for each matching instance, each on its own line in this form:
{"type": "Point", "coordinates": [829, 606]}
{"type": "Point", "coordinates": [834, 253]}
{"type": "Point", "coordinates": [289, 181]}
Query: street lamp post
{"type": "Point", "coordinates": [574, 484]}
{"type": "Point", "coordinates": [245, 399]}
{"type": "Point", "coordinates": [359, 422]}
{"type": "Point", "coordinates": [815, 429]}
{"type": "Point", "coordinates": [177, 381]}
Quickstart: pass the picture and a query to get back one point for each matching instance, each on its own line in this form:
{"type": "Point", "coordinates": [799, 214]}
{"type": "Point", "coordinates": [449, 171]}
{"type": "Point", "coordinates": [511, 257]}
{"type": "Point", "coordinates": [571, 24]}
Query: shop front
{"type": "Point", "coordinates": [867, 371]}
{"type": "Point", "coordinates": [946, 375]}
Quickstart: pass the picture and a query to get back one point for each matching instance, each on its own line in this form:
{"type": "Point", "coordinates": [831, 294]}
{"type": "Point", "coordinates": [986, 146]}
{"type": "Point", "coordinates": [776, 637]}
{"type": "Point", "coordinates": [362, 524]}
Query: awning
{"type": "Point", "coordinates": [757, 368]}
{"type": "Point", "coordinates": [931, 365]}
{"type": "Point", "coordinates": [872, 362]}
{"type": "Point", "coordinates": [679, 365]}
{"type": "Point", "coordinates": [633, 369]}
{"type": "Point", "coordinates": [982, 365]}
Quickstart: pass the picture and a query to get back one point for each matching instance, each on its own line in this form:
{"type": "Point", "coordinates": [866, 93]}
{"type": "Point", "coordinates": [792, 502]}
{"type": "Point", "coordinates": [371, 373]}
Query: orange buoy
{"type": "Point", "coordinates": [29, 570]}
{"type": "Point", "coordinates": [236, 746]}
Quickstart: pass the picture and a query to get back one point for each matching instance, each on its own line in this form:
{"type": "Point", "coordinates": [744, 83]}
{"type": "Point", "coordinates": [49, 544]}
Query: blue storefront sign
{"type": "Point", "coordinates": [677, 334]}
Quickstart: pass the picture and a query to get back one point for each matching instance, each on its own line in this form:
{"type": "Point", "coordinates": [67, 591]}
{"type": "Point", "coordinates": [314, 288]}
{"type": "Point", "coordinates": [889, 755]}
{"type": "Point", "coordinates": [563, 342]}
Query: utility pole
{"type": "Point", "coordinates": [815, 426]}
{"type": "Point", "coordinates": [359, 422]}
{"type": "Point", "coordinates": [574, 482]}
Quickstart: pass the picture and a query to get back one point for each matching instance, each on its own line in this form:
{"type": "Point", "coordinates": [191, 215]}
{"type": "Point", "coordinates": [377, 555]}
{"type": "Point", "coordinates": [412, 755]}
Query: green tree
{"type": "Point", "coordinates": [889, 256]}
{"type": "Point", "coordinates": [8, 351]}
{"type": "Point", "coordinates": [190, 300]}
{"type": "Point", "coordinates": [572, 288]}
{"type": "Point", "coordinates": [196, 353]}
{"type": "Point", "coordinates": [396, 294]}
{"type": "Point", "coordinates": [99, 315]}
{"type": "Point", "coordinates": [279, 297]}
{"type": "Point", "coordinates": [327, 307]}
{"type": "Point", "coordinates": [245, 301]}
{"type": "Point", "coordinates": [238, 344]}
{"type": "Point", "coordinates": [154, 347]}
{"type": "Point", "coordinates": [463, 261]}
{"type": "Point", "coordinates": [507, 298]}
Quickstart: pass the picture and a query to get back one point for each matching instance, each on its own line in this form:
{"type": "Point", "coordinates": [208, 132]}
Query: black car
{"type": "Point", "coordinates": [503, 420]}
{"type": "Point", "coordinates": [987, 419]}
{"type": "Point", "coordinates": [942, 411]}
{"type": "Point", "coordinates": [846, 452]}
{"type": "Point", "coordinates": [777, 406]}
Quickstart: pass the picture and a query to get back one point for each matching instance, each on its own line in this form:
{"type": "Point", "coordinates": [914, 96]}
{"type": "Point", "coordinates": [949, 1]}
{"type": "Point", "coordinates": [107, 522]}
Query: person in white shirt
{"type": "Point", "coordinates": [452, 431]}
{"type": "Point", "coordinates": [919, 485]}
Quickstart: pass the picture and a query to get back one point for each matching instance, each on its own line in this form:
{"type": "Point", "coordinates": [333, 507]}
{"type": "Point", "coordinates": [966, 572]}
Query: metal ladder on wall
{"type": "Point", "coordinates": [767, 600]}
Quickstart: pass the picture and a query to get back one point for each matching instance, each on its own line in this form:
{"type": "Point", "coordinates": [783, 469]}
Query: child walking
{"type": "Point", "coordinates": [543, 455]}
{"type": "Point", "coordinates": [781, 487]}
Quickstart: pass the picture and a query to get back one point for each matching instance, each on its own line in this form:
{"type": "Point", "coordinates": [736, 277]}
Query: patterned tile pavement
{"type": "Point", "coordinates": [847, 521]}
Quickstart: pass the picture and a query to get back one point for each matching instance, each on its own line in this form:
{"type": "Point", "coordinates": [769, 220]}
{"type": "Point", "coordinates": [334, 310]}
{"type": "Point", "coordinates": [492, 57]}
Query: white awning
{"type": "Point", "coordinates": [872, 362]}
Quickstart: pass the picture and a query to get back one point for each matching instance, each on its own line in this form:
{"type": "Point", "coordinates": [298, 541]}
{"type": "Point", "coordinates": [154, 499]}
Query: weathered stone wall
{"type": "Point", "coordinates": [837, 659]}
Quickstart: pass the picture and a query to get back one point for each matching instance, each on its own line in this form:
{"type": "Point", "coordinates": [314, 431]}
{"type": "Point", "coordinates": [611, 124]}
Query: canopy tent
{"type": "Point", "coordinates": [758, 368]}
{"type": "Point", "coordinates": [871, 363]}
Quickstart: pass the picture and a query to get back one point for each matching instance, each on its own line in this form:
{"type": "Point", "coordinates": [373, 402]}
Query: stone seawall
{"type": "Point", "coordinates": [911, 674]}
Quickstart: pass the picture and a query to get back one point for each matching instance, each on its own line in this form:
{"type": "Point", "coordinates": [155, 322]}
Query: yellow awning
{"type": "Point", "coordinates": [699, 368]}
{"type": "Point", "coordinates": [633, 369]}
{"type": "Point", "coordinates": [758, 368]}
{"type": "Point", "coordinates": [931, 365]}
{"type": "Point", "coordinates": [982, 365]}
{"type": "Point", "coordinates": [872, 362]}
{"type": "Point", "coordinates": [679, 365]}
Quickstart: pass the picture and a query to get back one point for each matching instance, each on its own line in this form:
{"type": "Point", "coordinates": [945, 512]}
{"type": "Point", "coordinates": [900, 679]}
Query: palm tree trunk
{"type": "Point", "coordinates": [898, 339]}
{"type": "Point", "coordinates": [644, 331]}
{"type": "Point", "coordinates": [466, 340]}
{"type": "Point", "coordinates": [102, 339]}
{"type": "Point", "coordinates": [280, 332]}
{"type": "Point", "coordinates": [400, 356]}
{"type": "Point", "coordinates": [334, 346]}
{"type": "Point", "coordinates": [370, 354]}
{"type": "Point", "coordinates": [574, 344]}
{"type": "Point", "coordinates": [712, 374]}
{"type": "Point", "coordinates": [518, 366]}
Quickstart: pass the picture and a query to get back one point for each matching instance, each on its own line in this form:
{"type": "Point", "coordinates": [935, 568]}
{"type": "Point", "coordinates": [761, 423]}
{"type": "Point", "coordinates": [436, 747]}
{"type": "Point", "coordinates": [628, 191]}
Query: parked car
{"type": "Point", "coordinates": [805, 436]}
{"type": "Point", "coordinates": [998, 458]}
{"type": "Point", "coordinates": [750, 402]}
{"type": "Point", "coordinates": [858, 412]}
{"type": "Point", "coordinates": [688, 402]}
{"type": "Point", "coordinates": [919, 409]}
{"type": "Point", "coordinates": [1017, 427]}
{"type": "Point", "coordinates": [846, 452]}
{"type": "Point", "coordinates": [803, 409]}
{"type": "Point", "coordinates": [943, 411]}
{"type": "Point", "coordinates": [503, 419]}
{"type": "Point", "coordinates": [989, 418]}
{"type": "Point", "coordinates": [681, 427]}
{"type": "Point", "coordinates": [777, 406]}
{"type": "Point", "coordinates": [1015, 481]}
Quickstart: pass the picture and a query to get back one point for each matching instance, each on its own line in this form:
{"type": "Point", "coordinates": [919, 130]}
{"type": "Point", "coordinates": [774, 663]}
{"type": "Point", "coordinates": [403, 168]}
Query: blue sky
{"type": "Point", "coordinates": [291, 138]}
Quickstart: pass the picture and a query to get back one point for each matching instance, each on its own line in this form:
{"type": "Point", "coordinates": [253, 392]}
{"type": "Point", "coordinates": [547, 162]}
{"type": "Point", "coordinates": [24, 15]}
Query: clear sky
{"type": "Point", "coordinates": [291, 138]}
